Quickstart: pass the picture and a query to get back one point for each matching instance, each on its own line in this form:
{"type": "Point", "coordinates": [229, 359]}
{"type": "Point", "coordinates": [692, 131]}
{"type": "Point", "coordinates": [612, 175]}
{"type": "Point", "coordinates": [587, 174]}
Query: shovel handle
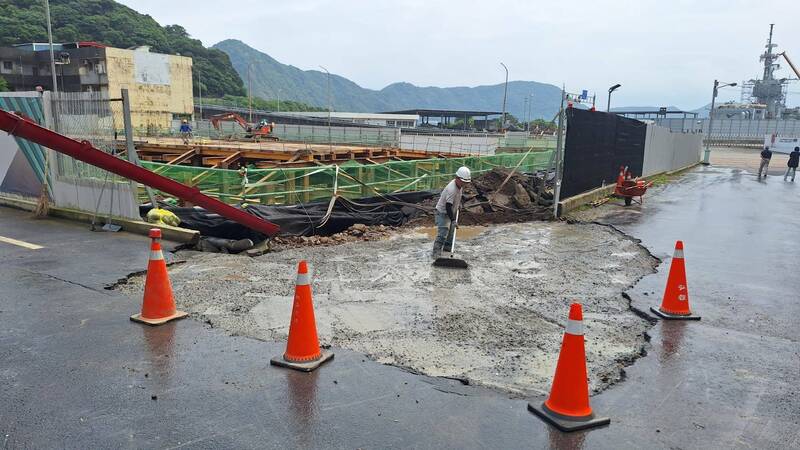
{"type": "Point", "coordinates": [455, 228]}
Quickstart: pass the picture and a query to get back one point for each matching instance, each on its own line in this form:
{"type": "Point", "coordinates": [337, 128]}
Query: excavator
{"type": "Point", "coordinates": [256, 132]}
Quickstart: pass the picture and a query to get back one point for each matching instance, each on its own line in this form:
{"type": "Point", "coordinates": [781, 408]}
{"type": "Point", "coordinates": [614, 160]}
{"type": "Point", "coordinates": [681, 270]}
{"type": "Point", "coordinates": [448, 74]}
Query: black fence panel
{"type": "Point", "coordinates": [597, 145]}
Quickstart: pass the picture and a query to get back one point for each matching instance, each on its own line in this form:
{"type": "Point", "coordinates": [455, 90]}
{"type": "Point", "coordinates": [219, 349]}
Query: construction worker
{"type": "Point", "coordinates": [766, 155]}
{"type": "Point", "coordinates": [791, 165]}
{"type": "Point", "coordinates": [186, 131]}
{"type": "Point", "coordinates": [446, 207]}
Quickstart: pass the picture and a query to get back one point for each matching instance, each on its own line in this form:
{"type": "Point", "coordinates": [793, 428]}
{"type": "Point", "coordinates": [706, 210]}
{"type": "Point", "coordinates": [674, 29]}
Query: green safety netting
{"type": "Point", "coordinates": [351, 179]}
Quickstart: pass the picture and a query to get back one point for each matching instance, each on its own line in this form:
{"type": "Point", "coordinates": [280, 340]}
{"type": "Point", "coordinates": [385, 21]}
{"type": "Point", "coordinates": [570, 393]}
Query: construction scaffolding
{"type": "Point", "coordinates": [284, 186]}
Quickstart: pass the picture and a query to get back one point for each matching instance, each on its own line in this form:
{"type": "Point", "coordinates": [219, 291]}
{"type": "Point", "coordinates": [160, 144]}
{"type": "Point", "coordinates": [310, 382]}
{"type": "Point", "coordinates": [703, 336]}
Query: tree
{"type": "Point", "coordinates": [3, 85]}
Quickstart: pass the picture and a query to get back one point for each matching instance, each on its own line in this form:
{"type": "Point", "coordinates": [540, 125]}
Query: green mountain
{"type": "Point", "coordinates": [111, 23]}
{"type": "Point", "coordinates": [271, 79]}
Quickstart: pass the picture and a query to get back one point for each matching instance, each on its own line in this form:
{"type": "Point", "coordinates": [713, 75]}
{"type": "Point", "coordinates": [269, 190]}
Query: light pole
{"type": "Point", "coordinates": [50, 41]}
{"type": "Point", "coordinates": [200, 91]}
{"type": "Point", "coordinates": [529, 112]}
{"type": "Point", "coordinates": [525, 111]}
{"type": "Point", "coordinates": [505, 94]}
{"type": "Point", "coordinates": [250, 92]}
{"type": "Point", "coordinates": [610, 90]}
{"type": "Point", "coordinates": [707, 152]}
{"type": "Point", "coordinates": [330, 142]}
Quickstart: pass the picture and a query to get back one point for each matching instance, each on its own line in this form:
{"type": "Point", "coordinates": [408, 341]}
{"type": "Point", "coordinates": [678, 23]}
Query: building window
{"type": "Point", "coordinates": [390, 123]}
{"type": "Point", "coordinates": [100, 66]}
{"type": "Point", "coordinates": [8, 65]}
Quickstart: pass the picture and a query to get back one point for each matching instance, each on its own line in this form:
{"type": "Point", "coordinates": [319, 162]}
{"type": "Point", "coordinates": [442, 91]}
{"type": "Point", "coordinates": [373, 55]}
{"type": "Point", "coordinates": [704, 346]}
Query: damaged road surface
{"type": "Point", "coordinates": [498, 324]}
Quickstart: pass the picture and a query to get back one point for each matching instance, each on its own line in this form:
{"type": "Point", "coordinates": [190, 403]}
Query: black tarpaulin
{"type": "Point", "coordinates": [307, 219]}
{"type": "Point", "coordinates": [597, 145]}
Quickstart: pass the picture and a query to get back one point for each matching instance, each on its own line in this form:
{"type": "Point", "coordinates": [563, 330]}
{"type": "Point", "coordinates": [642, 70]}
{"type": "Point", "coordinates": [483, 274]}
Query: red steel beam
{"type": "Point", "coordinates": [84, 151]}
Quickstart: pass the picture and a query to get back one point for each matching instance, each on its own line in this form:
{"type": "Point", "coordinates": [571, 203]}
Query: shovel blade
{"type": "Point", "coordinates": [451, 262]}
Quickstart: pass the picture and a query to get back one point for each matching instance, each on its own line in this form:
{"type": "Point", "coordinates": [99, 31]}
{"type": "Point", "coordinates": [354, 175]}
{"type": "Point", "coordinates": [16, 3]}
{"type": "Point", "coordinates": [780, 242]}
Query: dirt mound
{"type": "Point", "coordinates": [496, 197]}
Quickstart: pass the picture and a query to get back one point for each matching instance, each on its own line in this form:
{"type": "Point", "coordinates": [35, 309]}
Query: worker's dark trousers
{"type": "Point", "coordinates": [444, 238]}
{"type": "Point", "coordinates": [791, 170]}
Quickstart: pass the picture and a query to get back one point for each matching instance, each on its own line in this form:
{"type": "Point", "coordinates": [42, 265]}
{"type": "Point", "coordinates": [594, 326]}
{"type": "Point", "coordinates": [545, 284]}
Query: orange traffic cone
{"type": "Point", "coordinates": [302, 347]}
{"type": "Point", "coordinates": [159, 305]}
{"type": "Point", "coordinates": [568, 405]}
{"type": "Point", "coordinates": [675, 304]}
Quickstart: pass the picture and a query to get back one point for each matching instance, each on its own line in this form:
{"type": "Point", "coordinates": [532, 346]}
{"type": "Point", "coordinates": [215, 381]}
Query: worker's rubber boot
{"type": "Point", "coordinates": [437, 251]}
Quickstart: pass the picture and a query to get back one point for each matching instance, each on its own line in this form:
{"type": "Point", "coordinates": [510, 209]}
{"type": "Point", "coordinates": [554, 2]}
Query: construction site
{"type": "Point", "coordinates": [597, 284]}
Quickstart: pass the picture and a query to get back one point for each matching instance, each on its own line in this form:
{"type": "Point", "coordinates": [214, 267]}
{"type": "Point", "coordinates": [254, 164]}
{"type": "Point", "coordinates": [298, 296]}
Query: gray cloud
{"type": "Point", "coordinates": [663, 52]}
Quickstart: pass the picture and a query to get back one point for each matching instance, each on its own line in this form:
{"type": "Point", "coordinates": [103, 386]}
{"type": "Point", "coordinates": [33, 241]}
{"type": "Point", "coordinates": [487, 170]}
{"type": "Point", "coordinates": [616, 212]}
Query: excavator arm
{"type": "Point", "coordinates": [216, 119]}
{"type": "Point", "coordinates": [786, 57]}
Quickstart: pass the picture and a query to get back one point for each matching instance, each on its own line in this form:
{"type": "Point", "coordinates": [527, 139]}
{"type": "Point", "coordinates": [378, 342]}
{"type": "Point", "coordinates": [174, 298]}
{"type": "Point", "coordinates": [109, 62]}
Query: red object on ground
{"type": "Point", "coordinates": [675, 304]}
{"type": "Point", "coordinates": [84, 151]}
{"type": "Point", "coordinates": [567, 407]}
{"type": "Point", "coordinates": [569, 395]}
{"type": "Point", "coordinates": [302, 347]}
{"type": "Point", "coordinates": [628, 187]}
{"type": "Point", "coordinates": [158, 305]}
{"type": "Point", "coordinates": [303, 343]}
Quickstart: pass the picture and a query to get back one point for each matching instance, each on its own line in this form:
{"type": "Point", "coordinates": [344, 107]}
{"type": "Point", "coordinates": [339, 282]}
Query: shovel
{"type": "Point", "coordinates": [452, 261]}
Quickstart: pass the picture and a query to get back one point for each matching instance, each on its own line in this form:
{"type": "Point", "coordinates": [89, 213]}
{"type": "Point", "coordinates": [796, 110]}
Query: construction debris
{"type": "Point", "coordinates": [357, 232]}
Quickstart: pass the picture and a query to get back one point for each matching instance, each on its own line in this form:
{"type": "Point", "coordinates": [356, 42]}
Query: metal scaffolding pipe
{"type": "Point", "coordinates": [84, 151]}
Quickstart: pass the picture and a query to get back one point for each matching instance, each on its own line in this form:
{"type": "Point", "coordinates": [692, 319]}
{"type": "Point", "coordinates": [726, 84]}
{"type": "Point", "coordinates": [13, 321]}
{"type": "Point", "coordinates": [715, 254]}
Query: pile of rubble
{"type": "Point", "coordinates": [357, 232]}
{"type": "Point", "coordinates": [507, 190]}
{"type": "Point", "coordinates": [502, 196]}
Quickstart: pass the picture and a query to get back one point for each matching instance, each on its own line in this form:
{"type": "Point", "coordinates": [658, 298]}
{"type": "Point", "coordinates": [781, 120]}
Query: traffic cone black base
{"type": "Point", "coordinates": [566, 423]}
{"type": "Point", "coordinates": [669, 316]}
{"type": "Point", "coordinates": [159, 321]}
{"type": "Point", "coordinates": [308, 366]}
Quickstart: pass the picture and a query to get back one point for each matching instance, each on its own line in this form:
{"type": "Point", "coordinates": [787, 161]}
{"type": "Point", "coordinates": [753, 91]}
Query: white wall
{"type": "Point", "coordinates": [480, 144]}
{"type": "Point", "coordinates": [665, 150]}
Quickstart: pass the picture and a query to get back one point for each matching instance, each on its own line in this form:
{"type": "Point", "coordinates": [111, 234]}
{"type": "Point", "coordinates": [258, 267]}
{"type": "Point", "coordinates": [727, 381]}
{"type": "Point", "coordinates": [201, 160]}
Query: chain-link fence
{"type": "Point", "coordinates": [93, 117]}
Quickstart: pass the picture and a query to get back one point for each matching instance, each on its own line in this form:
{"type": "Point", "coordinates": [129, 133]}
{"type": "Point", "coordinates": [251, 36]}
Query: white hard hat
{"type": "Point", "coordinates": [463, 174]}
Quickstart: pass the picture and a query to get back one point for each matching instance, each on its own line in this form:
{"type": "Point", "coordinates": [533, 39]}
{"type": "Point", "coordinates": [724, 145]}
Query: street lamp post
{"type": "Point", "coordinates": [50, 41]}
{"type": "Point", "coordinates": [525, 112]}
{"type": "Point", "coordinates": [200, 91]}
{"type": "Point", "coordinates": [530, 112]}
{"type": "Point", "coordinates": [707, 152]}
{"type": "Point", "coordinates": [330, 142]}
{"type": "Point", "coordinates": [610, 90]}
{"type": "Point", "coordinates": [505, 94]}
{"type": "Point", "coordinates": [250, 92]}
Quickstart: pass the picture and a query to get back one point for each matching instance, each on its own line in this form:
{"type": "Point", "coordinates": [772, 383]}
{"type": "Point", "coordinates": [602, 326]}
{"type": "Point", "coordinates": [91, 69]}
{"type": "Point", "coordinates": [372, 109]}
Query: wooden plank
{"type": "Point", "coordinates": [230, 159]}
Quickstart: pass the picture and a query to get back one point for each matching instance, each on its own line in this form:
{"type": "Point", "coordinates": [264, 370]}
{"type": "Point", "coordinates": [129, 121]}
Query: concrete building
{"type": "Point", "coordinates": [160, 85]}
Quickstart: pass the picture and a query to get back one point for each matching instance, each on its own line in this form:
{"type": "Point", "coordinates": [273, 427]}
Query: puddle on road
{"type": "Point", "coordinates": [464, 232]}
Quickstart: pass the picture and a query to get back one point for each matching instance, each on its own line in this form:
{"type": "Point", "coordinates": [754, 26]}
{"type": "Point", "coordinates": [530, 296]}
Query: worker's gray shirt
{"type": "Point", "coordinates": [450, 194]}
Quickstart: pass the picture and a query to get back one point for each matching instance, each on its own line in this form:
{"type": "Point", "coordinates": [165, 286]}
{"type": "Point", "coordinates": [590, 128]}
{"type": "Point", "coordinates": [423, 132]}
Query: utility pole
{"type": "Point", "coordinates": [50, 41]}
{"type": "Point", "coordinates": [200, 91]}
{"type": "Point", "coordinates": [559, 145]}
{"type": "Point", "coordinates": [525, 111]}
{"type": "Point", "coordinates": [330, 142]}
{"type": "Point", "coordinates": [505, 94]}
{"type": "Point", "coordinates": [250, 92]}
{"type": "Point", "coordinates": [707, 152]}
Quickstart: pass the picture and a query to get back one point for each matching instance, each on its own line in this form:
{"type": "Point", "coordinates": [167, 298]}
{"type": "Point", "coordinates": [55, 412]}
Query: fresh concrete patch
{"type": "Point", "coordinates": [497, 324]}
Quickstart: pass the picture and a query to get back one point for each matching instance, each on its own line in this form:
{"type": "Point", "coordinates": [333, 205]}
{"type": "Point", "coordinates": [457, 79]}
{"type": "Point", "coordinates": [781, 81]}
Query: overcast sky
{"type": "Point", "coordinates": [664, 52]}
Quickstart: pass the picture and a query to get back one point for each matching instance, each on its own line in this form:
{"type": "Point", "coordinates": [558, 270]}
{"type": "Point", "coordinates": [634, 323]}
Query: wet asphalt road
{"type": "Point", "coordinates": [76, 373]}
